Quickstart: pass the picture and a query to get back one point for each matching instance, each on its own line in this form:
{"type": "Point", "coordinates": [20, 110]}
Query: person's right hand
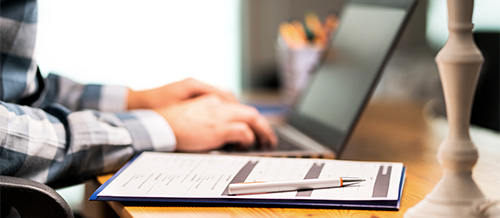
{"type": "Point", "coordinates": [208, 122]}
{"type": "Point", "coordinates": [173, 93]}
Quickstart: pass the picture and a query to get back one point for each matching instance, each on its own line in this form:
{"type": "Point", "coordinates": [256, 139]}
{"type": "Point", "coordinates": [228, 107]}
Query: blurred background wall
{"type": "Point", "coordinates": [141, 44]}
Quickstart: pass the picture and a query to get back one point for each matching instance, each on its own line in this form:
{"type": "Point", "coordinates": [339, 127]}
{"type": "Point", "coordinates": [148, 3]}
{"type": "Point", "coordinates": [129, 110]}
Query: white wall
{"type": "Point", "coordinates": [141, 44]}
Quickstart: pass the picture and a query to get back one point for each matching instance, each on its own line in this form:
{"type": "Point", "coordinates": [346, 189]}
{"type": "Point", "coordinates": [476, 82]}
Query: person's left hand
{"type": "Point", "coordinates": [173, 93]}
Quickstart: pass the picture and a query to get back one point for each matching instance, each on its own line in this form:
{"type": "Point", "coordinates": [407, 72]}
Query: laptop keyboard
{"type": "Point", "coordinates": [286, 145]}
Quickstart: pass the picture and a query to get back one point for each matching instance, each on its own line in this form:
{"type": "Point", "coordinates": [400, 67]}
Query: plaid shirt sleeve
{"type": "Point", "coordinates": [76, 96]}
{"type": "Point", "coordinates": [56, 144]}
{"type": "Point", "coordinates": [55, 130]}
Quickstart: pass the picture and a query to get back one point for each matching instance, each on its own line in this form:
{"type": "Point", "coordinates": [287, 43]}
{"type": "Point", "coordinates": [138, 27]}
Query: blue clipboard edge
{"type": "Point", "coordinates": [94, 196]}
{"type": "Point", "coordinates": [401, 185]}
{"type": "Point", "coordinates": [222, 202]}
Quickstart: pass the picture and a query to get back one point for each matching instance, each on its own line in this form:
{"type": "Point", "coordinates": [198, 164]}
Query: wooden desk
{"type": "Point", "coordinates": [387, 131]}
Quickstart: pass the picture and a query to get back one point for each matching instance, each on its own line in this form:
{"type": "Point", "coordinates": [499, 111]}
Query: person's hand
{"type": "Point", "coordinates": [208, 122]}
{"type": "Point", "coordinates": [173, 93]}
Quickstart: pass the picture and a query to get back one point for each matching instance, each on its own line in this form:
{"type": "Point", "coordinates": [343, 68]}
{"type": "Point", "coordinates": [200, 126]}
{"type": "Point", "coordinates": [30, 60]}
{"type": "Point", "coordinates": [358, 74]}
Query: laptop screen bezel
{"type": "Point", "coordinates": [324, 134]}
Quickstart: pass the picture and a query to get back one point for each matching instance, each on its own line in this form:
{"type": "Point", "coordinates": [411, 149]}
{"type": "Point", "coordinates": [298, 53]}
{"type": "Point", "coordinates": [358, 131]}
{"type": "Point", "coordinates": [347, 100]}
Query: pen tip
{"type": "Point", "coordinates": [353, 179]}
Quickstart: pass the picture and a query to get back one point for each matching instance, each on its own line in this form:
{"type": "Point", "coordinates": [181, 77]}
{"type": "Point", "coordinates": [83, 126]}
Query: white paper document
{"type": "Point", "coordinates": [174, 175]}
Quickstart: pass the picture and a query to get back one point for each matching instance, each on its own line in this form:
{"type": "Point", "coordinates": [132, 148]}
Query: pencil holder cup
{"type": "Point", "coordinates": [295, 66]}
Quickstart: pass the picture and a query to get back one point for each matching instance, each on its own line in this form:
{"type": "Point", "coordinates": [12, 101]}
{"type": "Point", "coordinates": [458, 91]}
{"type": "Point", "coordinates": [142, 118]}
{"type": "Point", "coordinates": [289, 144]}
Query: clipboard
{"type": "Point", "coordinates": [155, 178]}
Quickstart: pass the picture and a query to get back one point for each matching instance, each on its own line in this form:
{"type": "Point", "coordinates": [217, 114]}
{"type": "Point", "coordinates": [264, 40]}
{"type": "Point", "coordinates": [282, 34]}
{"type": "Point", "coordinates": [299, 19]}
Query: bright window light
{"type": "Point", "coordinates": [486, 17]}
{"type": "Point", "coordinates": [141, 44]}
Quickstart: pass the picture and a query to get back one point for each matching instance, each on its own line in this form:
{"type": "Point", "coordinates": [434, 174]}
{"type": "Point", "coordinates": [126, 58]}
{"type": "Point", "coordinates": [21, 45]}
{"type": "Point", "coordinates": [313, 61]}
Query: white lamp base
{"type": "Point", "coordinates": [429, 208]}
{"type": "Point", "coordinates": [450, 199]}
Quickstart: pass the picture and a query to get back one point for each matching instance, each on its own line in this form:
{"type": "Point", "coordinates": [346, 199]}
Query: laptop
{"type": "Point", "coordinates": [324, 115]}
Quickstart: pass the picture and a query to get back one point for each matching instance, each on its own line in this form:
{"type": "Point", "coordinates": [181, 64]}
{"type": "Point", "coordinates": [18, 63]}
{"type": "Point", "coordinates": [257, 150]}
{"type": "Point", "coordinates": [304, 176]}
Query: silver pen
{"type": "Point", "coordinates": [281, 186]}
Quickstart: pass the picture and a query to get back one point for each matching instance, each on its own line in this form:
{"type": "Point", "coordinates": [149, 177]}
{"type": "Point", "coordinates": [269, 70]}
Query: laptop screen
{"type": "Point", "coordinates": [331, 104]}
